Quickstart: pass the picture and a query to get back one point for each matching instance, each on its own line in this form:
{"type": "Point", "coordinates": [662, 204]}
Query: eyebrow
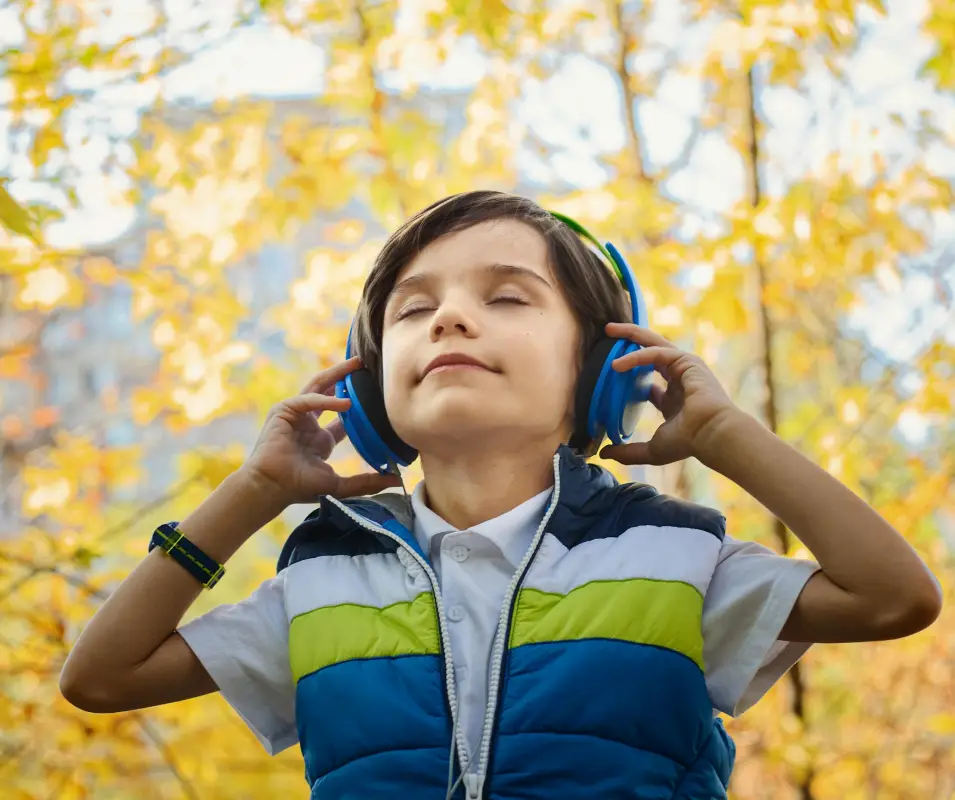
{"type": "Point", "coordinates": [502, 270]}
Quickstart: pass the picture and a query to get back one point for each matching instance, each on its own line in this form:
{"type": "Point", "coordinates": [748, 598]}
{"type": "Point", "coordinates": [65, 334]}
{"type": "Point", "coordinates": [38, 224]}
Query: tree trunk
{"type": "Point", "coordinates": [770, 405]}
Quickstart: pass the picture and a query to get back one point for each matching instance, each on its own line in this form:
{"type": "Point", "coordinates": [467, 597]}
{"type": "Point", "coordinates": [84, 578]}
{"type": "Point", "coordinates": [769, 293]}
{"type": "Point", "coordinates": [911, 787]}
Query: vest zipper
{"type": "Point", "coordinates": [442, 624]}
{"type": "Point", "coordinates": [500, 640]}
{"type": "Point", "coordinates": [474, 785]}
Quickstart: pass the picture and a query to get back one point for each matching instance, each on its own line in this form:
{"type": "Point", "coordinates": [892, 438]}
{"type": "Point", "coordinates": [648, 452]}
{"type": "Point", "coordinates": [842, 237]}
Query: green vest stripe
{"type": "Point", "coordinates": [333, 634]}
{"type": "Point", "coordinates": [640, 610]}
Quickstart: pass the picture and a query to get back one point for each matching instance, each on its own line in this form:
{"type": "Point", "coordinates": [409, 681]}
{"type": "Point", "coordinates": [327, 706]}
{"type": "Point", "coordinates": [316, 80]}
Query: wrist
{"type": "Point", "coordinates": [716, 445]}
{"type": "Point", "coordinates": [260, 490]}
{"type": "Point", "coordinates": [241, 505]}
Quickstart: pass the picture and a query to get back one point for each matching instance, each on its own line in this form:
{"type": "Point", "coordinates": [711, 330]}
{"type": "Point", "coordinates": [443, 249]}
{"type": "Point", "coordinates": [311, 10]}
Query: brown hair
{"type": "Point", "coordinates": [593, 292]}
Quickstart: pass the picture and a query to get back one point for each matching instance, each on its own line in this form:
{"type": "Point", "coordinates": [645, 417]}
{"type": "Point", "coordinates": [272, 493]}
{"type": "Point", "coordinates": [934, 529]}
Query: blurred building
{"type": "Point", "coordinates": [97, 353]}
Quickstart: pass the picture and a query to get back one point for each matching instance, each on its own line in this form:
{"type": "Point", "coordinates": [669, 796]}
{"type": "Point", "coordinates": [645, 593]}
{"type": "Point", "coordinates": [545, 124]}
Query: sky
{"type": "Point", "coordinates": [578, 110]}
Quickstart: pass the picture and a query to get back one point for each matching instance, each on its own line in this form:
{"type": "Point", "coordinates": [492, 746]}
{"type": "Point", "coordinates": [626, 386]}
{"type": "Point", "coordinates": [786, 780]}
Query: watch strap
{"type": "Point", "coordinates": [174, 543]}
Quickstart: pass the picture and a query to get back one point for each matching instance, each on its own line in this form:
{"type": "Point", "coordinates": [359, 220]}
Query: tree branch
{"type": "Point", "coordinates": [166, 752]}
{"type": "Point", "coordinates": [625, 41]}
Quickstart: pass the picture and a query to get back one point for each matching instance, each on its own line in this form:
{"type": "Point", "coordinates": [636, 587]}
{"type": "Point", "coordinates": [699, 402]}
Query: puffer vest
{"type": "Point", "coordinates": [596, 687]}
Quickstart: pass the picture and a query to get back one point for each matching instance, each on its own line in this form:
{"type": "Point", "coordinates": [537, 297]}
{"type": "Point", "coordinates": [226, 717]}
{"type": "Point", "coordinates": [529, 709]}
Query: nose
{"type": "Point", "coordinates": [452, 317]}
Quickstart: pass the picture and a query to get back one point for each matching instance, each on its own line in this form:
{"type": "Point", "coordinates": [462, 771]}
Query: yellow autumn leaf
{"type": "Point", "coordinates": [46, 140]}
{"type": "Point", "coordinates": [723, 304]}
{"type": "Point", "coordinates": [14, 217]}
{"type": "Point", "coordinates": [943, 724]}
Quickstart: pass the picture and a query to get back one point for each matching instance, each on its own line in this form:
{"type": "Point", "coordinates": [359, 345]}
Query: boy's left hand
{"type": "Point", "coordinates": [872, 585]}
{"type": "Point", "coordinates": [694, 404]}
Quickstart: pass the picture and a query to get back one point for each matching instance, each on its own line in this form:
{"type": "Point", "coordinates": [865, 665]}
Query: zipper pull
{"type": "Point", "coordinates": [474, 785]}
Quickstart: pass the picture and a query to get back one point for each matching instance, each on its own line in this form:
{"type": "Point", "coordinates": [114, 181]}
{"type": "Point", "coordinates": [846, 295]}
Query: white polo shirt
{"type": "Point", "coordinates": [244, 647]}
{"type": "Point", "coordinates": [474, 568]}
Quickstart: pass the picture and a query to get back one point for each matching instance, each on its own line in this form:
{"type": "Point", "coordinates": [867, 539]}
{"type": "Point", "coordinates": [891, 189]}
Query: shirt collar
{"type": "Point", "coordinates": [512, 531]}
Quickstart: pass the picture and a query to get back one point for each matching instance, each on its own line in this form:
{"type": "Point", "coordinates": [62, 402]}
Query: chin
{"type": "Point", "coordinates": [454, 417]}
{"type": "Point", "coordinates": [466, 426]}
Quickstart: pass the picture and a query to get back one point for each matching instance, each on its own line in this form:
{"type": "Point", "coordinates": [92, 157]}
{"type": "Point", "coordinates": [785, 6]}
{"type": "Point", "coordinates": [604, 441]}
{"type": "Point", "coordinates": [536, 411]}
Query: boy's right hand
{"type": "Point", "coordinates": [290, 455]}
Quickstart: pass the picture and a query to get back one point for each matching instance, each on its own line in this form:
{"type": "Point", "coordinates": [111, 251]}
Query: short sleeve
{"type": "Point", "coordinates": [244, 648]}
{"type": "Point", "coordinates": [749, 599]}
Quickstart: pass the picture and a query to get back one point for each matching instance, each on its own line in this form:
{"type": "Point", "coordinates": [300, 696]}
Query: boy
{"type": "Point", "coordinates": [531, 629]}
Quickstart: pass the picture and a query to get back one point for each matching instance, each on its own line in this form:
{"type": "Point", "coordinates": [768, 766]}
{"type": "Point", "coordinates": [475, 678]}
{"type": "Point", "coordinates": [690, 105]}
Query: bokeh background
{"type": "Point", "coordinates": [193, 193]}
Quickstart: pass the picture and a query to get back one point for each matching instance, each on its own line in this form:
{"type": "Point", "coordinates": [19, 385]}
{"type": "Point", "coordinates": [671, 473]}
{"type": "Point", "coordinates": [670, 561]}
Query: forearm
{"type": "Point", "coordinates": [149, 604]}
{"type": "Point", "coordinates": [856, 548]}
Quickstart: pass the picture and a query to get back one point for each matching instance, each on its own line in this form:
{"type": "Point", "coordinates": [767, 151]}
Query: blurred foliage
{"type": "Point", "coordinates": [767, 287]}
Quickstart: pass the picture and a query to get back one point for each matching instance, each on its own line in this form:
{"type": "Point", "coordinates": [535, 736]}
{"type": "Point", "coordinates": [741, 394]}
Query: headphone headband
{"type": "Point", "coordinates": [616, 261]}
{"type": "Point", "coordinates": [607, 402]}
{"type": "Point", "coordinates": [577, 228]}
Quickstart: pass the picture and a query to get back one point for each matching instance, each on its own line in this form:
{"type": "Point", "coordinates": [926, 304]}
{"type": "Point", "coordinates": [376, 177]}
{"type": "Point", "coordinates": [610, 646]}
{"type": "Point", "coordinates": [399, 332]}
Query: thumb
{"type": "Point", "coordinates": [632, 453]}
{"type": "Point", "coordinates": [364, 483]}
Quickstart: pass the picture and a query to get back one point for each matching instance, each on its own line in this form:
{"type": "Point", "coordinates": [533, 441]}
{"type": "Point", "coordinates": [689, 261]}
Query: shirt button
{"type": "Point", "coordinates": [455, 613]}
{"type": "Point", "coordinates": [460, 553]}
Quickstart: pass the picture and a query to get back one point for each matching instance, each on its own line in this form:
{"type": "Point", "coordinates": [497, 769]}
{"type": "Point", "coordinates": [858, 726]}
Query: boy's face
{"type": "Point", "coordinates": [485, 292]}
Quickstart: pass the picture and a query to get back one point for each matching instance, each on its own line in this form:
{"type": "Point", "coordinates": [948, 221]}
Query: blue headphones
{"type": "Point", "coordinates": [607, 403]}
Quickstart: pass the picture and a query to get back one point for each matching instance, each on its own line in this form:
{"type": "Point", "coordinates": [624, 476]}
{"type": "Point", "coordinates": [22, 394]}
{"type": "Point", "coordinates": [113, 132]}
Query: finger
{"type": "Point", "coordinates": [322, 383]}
{"type": "Point", "coordinates": [329, 377]}
{"type": "Point", "coordinates": [314, 403]}
{"type": "Point", "coordinates": [636, 333]}
{"type": "Point", "coordinates": [329, 391]}
{"type": "Point", "coordinates": [312, 385]}
{"type": "Point", "coordinates": [630, 454]}
{"type": "Point", "coordinates": [364, 483]}
{"type": "Point", "coordinates": [330, 437]}
{"type": "Point", "coordinates": [337, 430]}
{"type": "Point", "coordinates": [658, 357]}
{"type": "Point", "coordinates": [657, 393]}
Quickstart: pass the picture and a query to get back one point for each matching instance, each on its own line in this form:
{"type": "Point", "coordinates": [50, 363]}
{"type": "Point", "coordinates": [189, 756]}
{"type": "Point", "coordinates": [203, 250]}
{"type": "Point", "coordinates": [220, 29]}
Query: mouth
{"type": "Point", "coordinates": [451, 362]}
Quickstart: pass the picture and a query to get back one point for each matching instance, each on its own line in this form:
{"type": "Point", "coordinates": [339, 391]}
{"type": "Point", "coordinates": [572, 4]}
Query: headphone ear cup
{"type": "Point", "coordinates": [623, 396]}
{"type": "Point", "coordinates": [585, 401]}
{"type": "Point", "coordinates": [367, 423]}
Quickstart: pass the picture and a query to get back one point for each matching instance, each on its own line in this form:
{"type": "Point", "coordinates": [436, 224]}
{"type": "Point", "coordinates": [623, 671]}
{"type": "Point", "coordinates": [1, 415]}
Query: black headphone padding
{"type": "Point", "coordinates": [370, 398]}
{"type": "Point", "coordinates": [581, 440]}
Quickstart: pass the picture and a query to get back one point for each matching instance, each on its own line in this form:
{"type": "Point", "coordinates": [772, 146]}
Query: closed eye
{"type": "Point", "coordinates": [510, 299]}
{"type": "Point", "coordinates": [412, 310]}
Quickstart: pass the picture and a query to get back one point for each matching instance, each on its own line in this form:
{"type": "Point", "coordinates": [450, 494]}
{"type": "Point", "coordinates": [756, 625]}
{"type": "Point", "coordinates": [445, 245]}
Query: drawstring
{"type": "Point", "coordinates": [394, 471]}
{"type": "Point", "coordinates": [452, 784]}
{"type": "Point", "coordinates": [452, 788]}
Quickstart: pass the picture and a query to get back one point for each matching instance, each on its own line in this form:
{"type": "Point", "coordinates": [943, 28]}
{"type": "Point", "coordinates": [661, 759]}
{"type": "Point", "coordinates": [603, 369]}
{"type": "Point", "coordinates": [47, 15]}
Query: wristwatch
{"type": "Point", "coordinates": [173, 542]}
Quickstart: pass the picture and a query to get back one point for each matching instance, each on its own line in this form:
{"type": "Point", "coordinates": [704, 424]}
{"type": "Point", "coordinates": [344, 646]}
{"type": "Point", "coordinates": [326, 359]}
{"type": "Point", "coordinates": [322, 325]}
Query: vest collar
{"type": "Point", "coordinates": [584, 495]}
